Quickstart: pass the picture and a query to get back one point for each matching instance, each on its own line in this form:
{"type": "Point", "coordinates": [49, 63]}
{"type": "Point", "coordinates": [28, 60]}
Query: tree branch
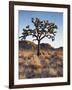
{"type": "Point", "coordinates": [42, 37]}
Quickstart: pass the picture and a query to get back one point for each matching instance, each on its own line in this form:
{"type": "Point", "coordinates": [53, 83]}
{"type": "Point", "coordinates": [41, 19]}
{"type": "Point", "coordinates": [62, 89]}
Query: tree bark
{"type": "Point", "coordinates": [38, 52]}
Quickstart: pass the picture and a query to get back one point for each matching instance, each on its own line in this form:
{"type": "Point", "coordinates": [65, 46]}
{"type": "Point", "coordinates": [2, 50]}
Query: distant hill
{"type": "Point", "coordinates": [27, 45]}
{"type": "Point", "coordinates": [31, 45]}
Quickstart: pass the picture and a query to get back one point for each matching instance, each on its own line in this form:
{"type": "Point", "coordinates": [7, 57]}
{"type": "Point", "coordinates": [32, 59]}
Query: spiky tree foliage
{"type": "Point", "coordinates": [41, 30]}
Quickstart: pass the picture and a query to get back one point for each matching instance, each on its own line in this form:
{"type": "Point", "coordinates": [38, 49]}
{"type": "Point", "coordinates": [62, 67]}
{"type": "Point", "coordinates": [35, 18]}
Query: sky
{"type": "Point", "coordinates": [24, 19]}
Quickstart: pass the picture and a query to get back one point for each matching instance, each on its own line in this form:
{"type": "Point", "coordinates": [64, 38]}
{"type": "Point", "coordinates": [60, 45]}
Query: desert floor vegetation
{"type": "Point", "coordinates": [47, 64]}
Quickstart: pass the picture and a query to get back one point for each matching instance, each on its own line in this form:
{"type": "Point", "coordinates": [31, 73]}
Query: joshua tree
{"type": "Point", "coordinates": [42, 29]}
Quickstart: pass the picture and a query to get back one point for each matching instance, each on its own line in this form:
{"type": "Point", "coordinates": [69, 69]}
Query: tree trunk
{"type": "Point", "coordinates": [38, 52]}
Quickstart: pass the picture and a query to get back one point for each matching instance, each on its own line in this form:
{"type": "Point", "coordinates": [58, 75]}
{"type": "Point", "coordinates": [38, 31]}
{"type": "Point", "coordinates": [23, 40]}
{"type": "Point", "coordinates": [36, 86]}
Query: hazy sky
{"type": "Point", "coordinates": [24, 19]}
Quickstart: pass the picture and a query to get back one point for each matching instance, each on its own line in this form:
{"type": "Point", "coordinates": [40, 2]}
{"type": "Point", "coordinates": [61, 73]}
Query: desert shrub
{"type": "Point", "coordinates": [44, 72]}
{"type": "Point", "coordinates": [52, 72]}
{"type": "Point", "coordinates": [60, 71]}
{"type": "Point", "coordinates": [22, 76]}
{"type": "Point", "coordinates": [59, 62]}
{"type": "Point", "coordinates": [53, 65]}
{"type": "Point", "coordinates": [21, 61]}
{"type": "Point", "coordinates": [21, 69]}
{"type": "Point", "coordinates": [29, 57]}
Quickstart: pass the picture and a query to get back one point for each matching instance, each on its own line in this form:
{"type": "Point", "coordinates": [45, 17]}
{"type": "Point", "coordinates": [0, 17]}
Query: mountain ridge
{"type": "Point", "coordinates": [31, 45]}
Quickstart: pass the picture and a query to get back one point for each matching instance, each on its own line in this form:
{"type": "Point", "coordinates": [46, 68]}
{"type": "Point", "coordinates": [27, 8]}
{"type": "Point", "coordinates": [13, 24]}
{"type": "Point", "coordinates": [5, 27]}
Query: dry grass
{"type": "Point", "coordinates": [48, 64]}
